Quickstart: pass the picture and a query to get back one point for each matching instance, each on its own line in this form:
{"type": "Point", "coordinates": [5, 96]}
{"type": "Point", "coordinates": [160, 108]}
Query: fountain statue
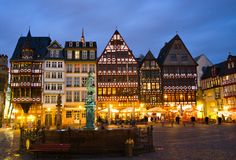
{"type": "Point", "coordinates": [90, 102]}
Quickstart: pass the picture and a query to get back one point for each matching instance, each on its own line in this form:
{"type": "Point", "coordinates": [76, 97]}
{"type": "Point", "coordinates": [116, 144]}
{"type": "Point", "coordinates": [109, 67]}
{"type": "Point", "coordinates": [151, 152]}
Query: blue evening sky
{"type": "Point", "coordinates": [205, 26]}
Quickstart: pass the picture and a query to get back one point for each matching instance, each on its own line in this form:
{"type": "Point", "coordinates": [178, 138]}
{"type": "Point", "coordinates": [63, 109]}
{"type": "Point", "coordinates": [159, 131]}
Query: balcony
{"type": "Point", "coordinates": [26, 99]}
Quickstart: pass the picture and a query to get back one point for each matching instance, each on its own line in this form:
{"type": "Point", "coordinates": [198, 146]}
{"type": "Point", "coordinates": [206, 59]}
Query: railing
{"type": "Point", "coordinates": [144, 140]}
{"type": "Point", "coordinates": [34, 136]}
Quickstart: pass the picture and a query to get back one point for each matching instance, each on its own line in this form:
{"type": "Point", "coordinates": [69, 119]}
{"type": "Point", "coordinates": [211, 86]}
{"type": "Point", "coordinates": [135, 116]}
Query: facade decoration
{"type": "Point", "coordinates": [150, 82]}
{"type": "Point", "coordinates": [179, 78]}
{"type": "Point", "coordinates": [26, 77]}
{"type": "Point", "coordinates": [117, 80]}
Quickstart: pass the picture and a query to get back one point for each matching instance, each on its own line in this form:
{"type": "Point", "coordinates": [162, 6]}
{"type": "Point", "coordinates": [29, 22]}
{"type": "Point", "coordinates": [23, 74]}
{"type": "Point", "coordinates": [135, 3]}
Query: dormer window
{"type": "Point", "coordinates": [77, 44]}
{"type": "Point", "coordinates": [213, 71]}
{"type": "Point", "coordinates": [27, 54]}
{"type": "Point", "coordinates": [70, 44]}
{"type": "Point", "coordinates": [84, 54]}
{"type": "Point", "coordinates": [54, 53]}
{"type": "Point", "coordinates": [90, 44]}
{"type": "Point", "coordinates": [232, 64]}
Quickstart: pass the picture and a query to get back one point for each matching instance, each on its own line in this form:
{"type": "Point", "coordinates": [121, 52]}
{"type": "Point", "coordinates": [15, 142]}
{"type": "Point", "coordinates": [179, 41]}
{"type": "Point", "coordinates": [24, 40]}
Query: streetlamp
{"type": "Point", "coordinates": [109, 113]}
{"type": "Point", "coordinates": [58, 122]}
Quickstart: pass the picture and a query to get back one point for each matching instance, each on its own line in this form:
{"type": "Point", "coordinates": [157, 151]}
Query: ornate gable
{"type": "Point", "coordinates": [117, 49]}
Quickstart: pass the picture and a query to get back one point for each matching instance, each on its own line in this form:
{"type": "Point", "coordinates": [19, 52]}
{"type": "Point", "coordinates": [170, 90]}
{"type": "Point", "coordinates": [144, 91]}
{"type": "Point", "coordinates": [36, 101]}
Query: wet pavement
{"type": "Point", "coordinates": [201, 142]}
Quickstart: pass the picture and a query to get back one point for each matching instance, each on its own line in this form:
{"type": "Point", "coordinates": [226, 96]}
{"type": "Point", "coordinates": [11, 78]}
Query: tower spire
{"type": "Point", "coordinates": [29, 33]}
{"type": "Point", "coordinates": [82, 37]}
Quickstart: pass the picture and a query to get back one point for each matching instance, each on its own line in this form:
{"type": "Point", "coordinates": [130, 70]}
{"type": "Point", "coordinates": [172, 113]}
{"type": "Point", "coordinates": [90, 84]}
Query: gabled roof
{"type": "Point", "coordinates": [149, 56]}
{"type": "Point", "coordinates": [164, 52]}
{"type": "Point", "coordinates": [55, 45]}
{"type": "Point", "coordinates": [202, 56]}
{"type": "Point", "coordinates": [38, 44]}
{"type": "Point", "coordinates": [221, 69]}
{"type": "Point", "coordinates": [115, 43]}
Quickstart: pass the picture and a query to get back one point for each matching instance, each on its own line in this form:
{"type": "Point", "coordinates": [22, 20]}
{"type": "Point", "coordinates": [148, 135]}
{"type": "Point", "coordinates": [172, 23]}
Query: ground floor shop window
{"type": "Point", "coordinates": [68, 114]}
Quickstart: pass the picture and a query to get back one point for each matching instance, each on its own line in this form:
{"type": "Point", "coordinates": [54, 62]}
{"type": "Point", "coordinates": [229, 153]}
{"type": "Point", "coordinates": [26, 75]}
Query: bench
{"type": "Point", "coordinates": [50, 148]}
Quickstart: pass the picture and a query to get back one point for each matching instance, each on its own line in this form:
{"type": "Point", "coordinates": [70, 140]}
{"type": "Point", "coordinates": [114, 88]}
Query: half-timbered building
{"type": "Point", "coordinates": [117, 79]}
{"type": "Point", "coordinates": [219, 89]}
{"type": "Point", "coordinates": [179, 76]}
{"type": "Point", "coordinates": [26, 76]}
{"type": "Point", "coordinates": [150, 82]}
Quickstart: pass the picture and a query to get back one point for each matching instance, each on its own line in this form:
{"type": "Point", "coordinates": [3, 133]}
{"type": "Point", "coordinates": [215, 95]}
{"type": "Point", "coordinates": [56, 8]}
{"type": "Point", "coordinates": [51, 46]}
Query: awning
{"type": "Point", "coordinates": [112, 110]}
{"type": "Point", "coordinates": [156, 109]}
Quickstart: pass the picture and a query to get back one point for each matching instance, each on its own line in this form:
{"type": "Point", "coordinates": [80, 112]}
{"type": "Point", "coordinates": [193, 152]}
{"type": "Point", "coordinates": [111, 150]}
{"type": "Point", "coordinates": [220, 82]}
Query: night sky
{"type": "Point", "coordinates": [205, 26]}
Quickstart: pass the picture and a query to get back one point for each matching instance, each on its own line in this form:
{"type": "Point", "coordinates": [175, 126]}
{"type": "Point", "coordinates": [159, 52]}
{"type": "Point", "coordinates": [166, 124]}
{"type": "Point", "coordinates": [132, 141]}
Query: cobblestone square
{"type": "Point", "coordinates": [201, 142]}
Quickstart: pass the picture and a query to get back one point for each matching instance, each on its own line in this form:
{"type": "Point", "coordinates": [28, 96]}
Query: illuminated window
{"type": "Point", "coordinates": [104, 91]}
{"type": "Point", "coordinates": [109, 91]}
{"type": "Point", "coordinates": [77, 54]}
{"type": "Point", "coordinates": [148, 85]}
{"type": "Point", "coordinates": [99, 91]}
{"type": "Point", "coordinates": [113, 91]}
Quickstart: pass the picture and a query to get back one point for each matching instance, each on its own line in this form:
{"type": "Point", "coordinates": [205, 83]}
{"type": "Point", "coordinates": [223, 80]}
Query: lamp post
{"type": "Point", "coordinates": [58, 122]}
{"type": "Point", "coordinates": [109, 113]}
